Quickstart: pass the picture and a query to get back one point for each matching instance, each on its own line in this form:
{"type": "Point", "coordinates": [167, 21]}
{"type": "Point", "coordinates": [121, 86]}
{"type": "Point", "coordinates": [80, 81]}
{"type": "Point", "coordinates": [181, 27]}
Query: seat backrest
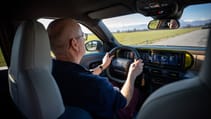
{"type": "Point", "coordinates": [186, 99]}
{"type": "Point", "coordinates": [32, 87]}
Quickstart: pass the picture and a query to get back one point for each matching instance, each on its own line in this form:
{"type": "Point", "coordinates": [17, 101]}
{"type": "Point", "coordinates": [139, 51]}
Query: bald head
{"type": "Point", "coordinates": [60, 31]}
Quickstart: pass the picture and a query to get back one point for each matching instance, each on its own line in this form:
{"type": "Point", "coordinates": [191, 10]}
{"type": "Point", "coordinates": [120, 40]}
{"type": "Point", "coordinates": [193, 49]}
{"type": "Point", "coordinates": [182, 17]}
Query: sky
{"type": "Point", "coordinates": [129, 20]}
{"type": "Point", "coordinates": [197, 12]}
{"type": "Point", "coordinates": [190, 14]}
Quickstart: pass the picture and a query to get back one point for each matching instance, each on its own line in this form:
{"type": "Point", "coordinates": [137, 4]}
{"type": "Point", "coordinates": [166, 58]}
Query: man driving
{"type": "Point", "coordinates": [79, 86]}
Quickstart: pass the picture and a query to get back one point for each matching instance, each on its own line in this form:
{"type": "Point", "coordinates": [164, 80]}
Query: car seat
{"type": "Point", "coordinates": [185, 99]}
{"type": "Point", "coordinates": [31, 85]}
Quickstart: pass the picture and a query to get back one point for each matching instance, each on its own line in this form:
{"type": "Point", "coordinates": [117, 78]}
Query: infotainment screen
{"type": "Point", "coordinates": [168, 59]}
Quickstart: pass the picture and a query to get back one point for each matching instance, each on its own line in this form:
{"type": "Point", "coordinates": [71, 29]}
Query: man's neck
{"type": "Point", "coordinates": [68, 59]}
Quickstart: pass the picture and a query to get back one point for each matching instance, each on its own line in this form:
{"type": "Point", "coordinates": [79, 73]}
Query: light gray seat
{"type": "Point", "coordinates": [32, 87]}
{"type": "Point", "coordinates": [186, 99]}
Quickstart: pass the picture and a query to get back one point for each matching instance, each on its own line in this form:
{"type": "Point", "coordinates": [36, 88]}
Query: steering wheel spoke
{"type": "Point", "coordinates": [119, 67]}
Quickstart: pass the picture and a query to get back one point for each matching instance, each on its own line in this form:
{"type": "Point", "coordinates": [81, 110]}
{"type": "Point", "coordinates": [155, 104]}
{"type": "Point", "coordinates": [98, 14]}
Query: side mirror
{"type": "Point", "coordinates": [163, 24]}
{"type": "Point", "coordinates": [94, 45]}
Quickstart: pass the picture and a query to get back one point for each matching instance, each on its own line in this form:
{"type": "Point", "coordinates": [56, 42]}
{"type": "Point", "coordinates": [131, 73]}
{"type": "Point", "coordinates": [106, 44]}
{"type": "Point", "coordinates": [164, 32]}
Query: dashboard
{"type": "Point", "coordinates": [176, 60]}
{"type": "Point", "coordinates": [160, 66]}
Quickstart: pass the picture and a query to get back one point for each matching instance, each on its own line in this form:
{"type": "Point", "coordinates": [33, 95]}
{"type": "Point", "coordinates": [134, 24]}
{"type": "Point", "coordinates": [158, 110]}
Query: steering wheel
{"type": "Point", "coordinates": [119, 66]}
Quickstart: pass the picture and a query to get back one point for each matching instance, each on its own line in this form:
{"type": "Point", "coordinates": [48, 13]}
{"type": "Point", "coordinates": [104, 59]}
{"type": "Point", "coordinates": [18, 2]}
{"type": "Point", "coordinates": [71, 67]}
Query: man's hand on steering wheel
{"type": "Point", "coordinates": [106, 60]}
{"type": "Point", "coordinates": [136, 68]}
{"type": "Point", "coordinates": [119, 67]}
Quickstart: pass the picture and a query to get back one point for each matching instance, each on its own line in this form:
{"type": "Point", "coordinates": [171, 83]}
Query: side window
{"type": "Point", "coordinates": [93, 44]}
{"type": "Point", "coordinates": [2, 61]}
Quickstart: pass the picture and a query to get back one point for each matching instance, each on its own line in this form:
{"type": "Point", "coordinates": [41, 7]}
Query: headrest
{"type": "Point", "coordinates": [205, 74]}
{"type": "Point", "coordinates": [36, 50]}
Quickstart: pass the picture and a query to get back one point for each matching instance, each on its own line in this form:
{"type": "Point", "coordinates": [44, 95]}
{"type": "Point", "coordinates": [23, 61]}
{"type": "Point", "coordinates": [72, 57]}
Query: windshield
{"type": "Point", "coordinates": [194, 28]}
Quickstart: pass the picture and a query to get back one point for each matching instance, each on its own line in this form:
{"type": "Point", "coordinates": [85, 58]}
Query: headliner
{"type": "Point", "coordinates": [79, 9]}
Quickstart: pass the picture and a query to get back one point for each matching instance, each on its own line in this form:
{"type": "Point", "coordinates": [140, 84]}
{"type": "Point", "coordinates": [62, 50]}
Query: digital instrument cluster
{"type": "Point", "coordinates": [165, 59]}
{"type": "Point", "coordinates": [161, 58]}
{"type": "Point", "coordinates": [178, 60]}
{"type": "Point", "coordinates": [156, 57]}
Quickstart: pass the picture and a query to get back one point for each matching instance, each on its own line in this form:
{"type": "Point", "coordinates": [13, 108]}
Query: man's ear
{"type": "Point", "coordinates": [73, 44]}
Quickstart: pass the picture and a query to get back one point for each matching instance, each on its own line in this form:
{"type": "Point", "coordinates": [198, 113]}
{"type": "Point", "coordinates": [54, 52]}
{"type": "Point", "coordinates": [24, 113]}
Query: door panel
{"type": "Point", "coordinates": [92, 60]}
{"type": "Point", "coordinates": [7, 107]}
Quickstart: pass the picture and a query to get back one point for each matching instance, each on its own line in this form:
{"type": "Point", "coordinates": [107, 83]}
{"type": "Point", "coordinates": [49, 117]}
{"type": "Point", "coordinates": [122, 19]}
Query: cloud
{"type": "Point", "coordinates": [192, 20]}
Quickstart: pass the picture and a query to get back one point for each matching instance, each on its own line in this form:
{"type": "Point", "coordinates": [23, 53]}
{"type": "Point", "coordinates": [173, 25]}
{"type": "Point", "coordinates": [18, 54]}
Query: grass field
{"type": "Point", "coordinates": [146, 37]}
{"type": "Point", "coordinates": [136, 38]}
{"type": "Point", "coordinates": [2, 61]}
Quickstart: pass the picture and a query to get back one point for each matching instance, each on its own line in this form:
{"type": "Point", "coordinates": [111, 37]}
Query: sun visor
{"type": "Point", "coordinates": [113, 11]}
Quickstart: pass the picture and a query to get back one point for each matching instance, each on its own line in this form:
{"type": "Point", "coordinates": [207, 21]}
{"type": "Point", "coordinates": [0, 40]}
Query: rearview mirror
{"type": "Point", "coordinates": [163, 24]}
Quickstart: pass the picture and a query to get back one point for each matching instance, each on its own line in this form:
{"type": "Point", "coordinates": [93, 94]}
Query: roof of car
{"type": "Point", "coordinates": [85, 9]}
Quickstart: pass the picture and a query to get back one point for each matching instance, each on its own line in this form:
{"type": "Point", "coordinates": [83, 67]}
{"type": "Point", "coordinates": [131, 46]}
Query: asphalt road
{"type": "Point", "coordinates": [195, 38]}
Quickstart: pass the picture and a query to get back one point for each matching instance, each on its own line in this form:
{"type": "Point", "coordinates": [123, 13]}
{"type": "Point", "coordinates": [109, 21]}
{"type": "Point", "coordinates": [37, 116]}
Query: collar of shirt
{"type": "Point", "coordinates": [72, 65]}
